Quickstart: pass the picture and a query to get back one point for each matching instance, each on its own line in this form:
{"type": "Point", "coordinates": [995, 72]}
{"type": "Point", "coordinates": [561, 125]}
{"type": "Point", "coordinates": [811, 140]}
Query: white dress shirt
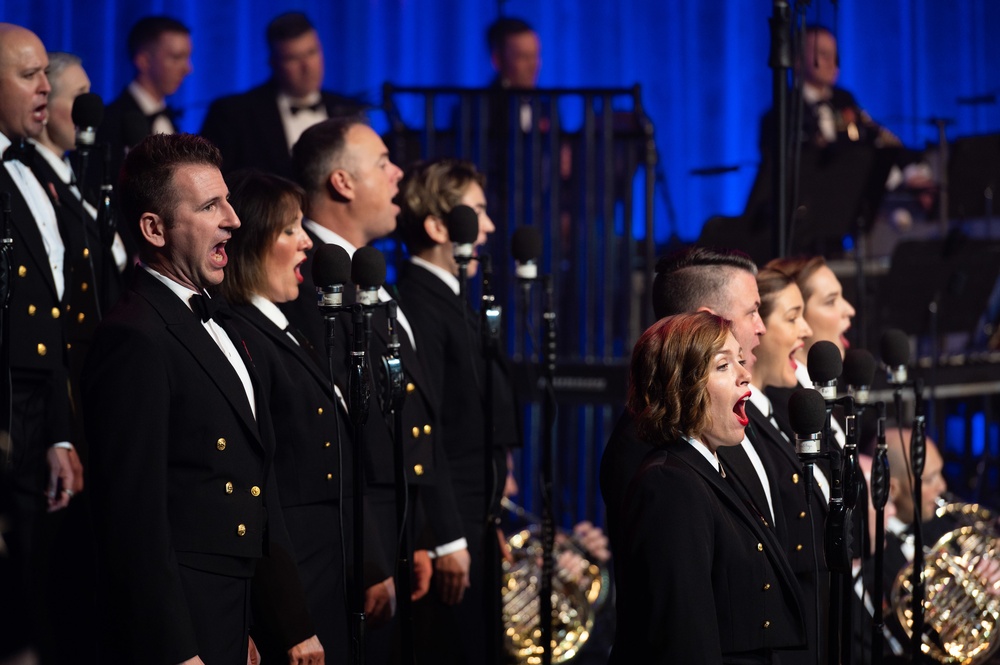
{"type": "Point", "coordinates": [303, 119]}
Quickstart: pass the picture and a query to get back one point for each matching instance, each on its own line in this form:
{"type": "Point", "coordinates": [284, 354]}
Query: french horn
{"type": "Point", "coordinates": [960, 613]}
{"type": "Point", "coordinates": [575, 599]}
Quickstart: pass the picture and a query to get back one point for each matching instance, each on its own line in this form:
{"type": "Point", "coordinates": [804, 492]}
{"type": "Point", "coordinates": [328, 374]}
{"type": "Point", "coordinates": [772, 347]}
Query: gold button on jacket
{"type": "Point", "coordinates": [221, 443]}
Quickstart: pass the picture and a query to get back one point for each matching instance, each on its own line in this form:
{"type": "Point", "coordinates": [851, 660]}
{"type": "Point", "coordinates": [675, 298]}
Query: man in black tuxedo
{"type": "Point", "coordinates": [160, 49]}
{"type": "Point", "coordinates": [257, 128]}
{"type": "Point", "coordinates": [451, 625]}
{"type": "Point", "coordinates": [57, 173]}
{"type": "Point", "coordinates": [44, 470]}
{"type": "Point", "coordinates": [185, 501]}
{"type": "Point", "coordinates": [350, 185]}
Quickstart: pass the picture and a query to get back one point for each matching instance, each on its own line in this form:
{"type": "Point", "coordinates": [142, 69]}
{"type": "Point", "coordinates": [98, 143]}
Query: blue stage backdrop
{"type": "Point", "coordinates": [702, 64]}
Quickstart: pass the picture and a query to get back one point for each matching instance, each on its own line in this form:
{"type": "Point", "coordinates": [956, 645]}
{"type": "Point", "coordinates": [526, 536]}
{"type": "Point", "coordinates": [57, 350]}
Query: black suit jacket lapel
{"type": "Point", "coordinates": [736, 462]}
{"type": "Point", "coordinates": [189, 331]}
{"type": "Point", "coordinates": [24, 225]}
{"type": "Point", "coordinates": [281, 338]}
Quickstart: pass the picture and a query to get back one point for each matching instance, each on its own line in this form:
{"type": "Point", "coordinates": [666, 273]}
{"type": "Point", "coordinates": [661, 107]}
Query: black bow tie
{"type": "Point", "coordinates": [21, 151]}
{"type": "Point", "coordinates": [169, 112]}
{"type": "Point", "coordinates": [306, 107]}
{"type": "Point", "coordinates": [209, 308]}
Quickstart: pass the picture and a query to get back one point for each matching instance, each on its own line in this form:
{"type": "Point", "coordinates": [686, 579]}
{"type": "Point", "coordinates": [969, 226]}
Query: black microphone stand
{"type": "Point", "coordinates": [358, 395]}
{"type": "Point", "coordinates": [780, 62]}
{"type": "Point", "coordinates": [548, 430]}
{"type": "Point", "coordinates": [83, 150]}
{"type": "Point", "coordinates": [852, 489]}
{"type": "Point", "coordinates": [490, 334]}
{"type": "Point", "coordinates": [838, 558]}
{"type": "Point", "coordinates": [395, 393]}
{"type": "Point", "coordinates": [880, 495]}
{"type": "Point", "coordinates": [106, 226]}
{"type": "Point", "coordinates": [918, 454]}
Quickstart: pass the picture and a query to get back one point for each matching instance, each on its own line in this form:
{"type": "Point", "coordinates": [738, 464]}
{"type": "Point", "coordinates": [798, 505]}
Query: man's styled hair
{"type": "Point", "coordinates": [668, 378]}
{"type": "Point", "coordinates": [146, 180]}
{"type": "Point", "coordinates": [695, 277]}
{"type": "Point", "coordinates": [320, 150]}
{"type": "Point", "coordinates": [266, 204]}
{"type": "Point", "coordinates": [431, 189]}
{"type": "Point", "coordinates": [503, 28]}
{"type": "Point", "coordinates": [287, 26]}
{"type": "Point", "coordinates": [58, 62]}
{"type": "Point", "coordinates": [147, 31]}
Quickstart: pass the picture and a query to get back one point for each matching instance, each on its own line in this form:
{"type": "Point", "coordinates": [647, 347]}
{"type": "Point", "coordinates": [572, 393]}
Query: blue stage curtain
{"type": "Point", "coordinates": [702, 64]}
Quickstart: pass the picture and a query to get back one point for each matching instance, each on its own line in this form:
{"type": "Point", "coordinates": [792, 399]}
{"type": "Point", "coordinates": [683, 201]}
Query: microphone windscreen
{"type": "Point", "coordinates": [806, 411]}
{"type": "Point", "coordinates": [88, 110]}
{"type": "Point", "coordinates": [368, 268]}
{"type": "Point", "coordinates": [859, 367]}
{"type": "Point", "coordinates": [824, 362]}
{"type": "Point", "coordinates": [526, 244]}
{"type": "Point", "coordinates": [895, 347]}
{"type": "Point", "coordinates": [463, 225]}
{"type": "Point", "coordinates": [331, 265]}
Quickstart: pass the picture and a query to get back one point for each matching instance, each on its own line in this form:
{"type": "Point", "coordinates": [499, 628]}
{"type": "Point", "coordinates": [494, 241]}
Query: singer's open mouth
{"type": "Point", "coordinates": [740, 409]}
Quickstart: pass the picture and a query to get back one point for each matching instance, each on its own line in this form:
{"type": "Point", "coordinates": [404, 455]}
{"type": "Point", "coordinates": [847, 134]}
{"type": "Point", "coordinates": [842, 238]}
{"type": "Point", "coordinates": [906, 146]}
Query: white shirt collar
{"type": "Point", "coordinates": [270, 310]}
{"type": "Point", "coordinates": [440, 272]}
{"type": "Point", "coordinates": [144, 100]}
{"type": "Point", "coordinates": [329, 237]}
{"type": "Point", "coordinates": [802, 374]}
{"type": "Point", "coordinates": [812, 94]}
{"type": "Point", "coordinates": [4, 143]}
{"type": "Point", "coordinates": [760, 400]}
{"type": "Point", "coordinates": [179, 290]}
{"type": "Point", "coordinates": [286, 101]}
{"type": "Point", "coordinates": [704, 451]}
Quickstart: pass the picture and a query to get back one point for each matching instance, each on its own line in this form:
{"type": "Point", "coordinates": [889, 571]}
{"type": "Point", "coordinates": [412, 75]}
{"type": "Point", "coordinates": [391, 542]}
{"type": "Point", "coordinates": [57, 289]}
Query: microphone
{"type": "Point", "coordinates": [87, 113]}
{"type": "Point", "coordinates": [331, 269]}
{"type": "Point", "coordinates": [463, 229]}
{"type": "Point", "coordinates": [807, 413]}
{"type": "Point", "coordinates": [526, 247]}
{"type": "Point", "coordinates": [895, 347]}
{"type": "Point", "coordinates": [859, 372]}
{"type": "Point", "coordinates": [368, 273]}
{"type": "Point", "coordinates": [825, 365]}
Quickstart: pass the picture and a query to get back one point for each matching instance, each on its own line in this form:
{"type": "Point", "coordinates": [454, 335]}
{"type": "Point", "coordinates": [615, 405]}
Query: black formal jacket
{"type": "Point", "coordinates": [424, 458]}
{"type": "Point", "coordinates": [308, 421]}
{"type": "Point", "coordinates": [38, 317]}
{"type": "Point", "coordinates": [702, 578]}
{"type": "Point", "coordinates": [797, 525]}
{"type": "Point", "coordinates": [624, 455]}
{"type": "Point", "coordinates": [181, 472]}
{"type": "Point", "coordinates": [248, 130]}
{"type": "Point", "coordinates": [447, 335]}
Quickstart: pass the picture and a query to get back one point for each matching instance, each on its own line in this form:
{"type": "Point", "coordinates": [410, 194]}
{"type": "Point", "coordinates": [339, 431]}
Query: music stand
{"type": "Point", "coordinates": [973, 168]}
{"type": "Point", "coordinates": [838, 185]}
{"type": "Point", "coordinates": [956, 273]}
